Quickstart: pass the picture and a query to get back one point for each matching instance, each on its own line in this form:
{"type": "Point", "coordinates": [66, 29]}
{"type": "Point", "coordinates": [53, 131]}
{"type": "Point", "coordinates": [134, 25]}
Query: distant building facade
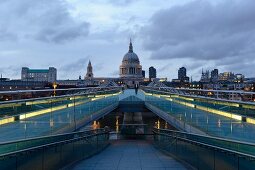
{"type": "Point", "coordinates": [152, 73]}
{"type": "Point", "coordinates": [214, 75]}
{"type": "Point", "coordinates": [40, 75]}
{"type": "Point", "coordinates": [143, 73]}
{"type": "Point", "coordinates": [239, 78]}
{"type": "Point", "coordinates": [226, 76]}
{"type": "Point", "coordinates": [9, 85]}
{"type": "Point", "coordinates": [225, 81]}
{"type": "Point", "coordinates": [182, 75]}
{"type": "Point", "coordinates": [205, 77]}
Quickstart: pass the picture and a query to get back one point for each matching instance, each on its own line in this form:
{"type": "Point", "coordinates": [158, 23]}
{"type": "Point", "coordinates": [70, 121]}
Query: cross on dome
{"type": "Point", "coordinates": [130, 46]}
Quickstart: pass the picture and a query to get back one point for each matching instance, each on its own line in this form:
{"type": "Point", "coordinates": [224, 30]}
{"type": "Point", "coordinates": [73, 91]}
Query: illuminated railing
{"type": "Point", "coordinates": [52, 152]}
{"type": "Point", "coordinates": [203, 152]}
{"type": "Point", "coordinates": [233, 120]}
{"type": "Point", "coordinates": [224, 95]}
{"type": "Point", "coordinates": [30, 94]}
{"type": "Point", "coordinates": [32, 117]}
{"type": "Point", "coordinates": [239, 110]}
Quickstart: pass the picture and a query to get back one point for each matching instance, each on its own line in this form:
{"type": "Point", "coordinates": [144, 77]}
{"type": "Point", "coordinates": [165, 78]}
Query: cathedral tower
{"type": "Point", "coordinates": [89, 74]}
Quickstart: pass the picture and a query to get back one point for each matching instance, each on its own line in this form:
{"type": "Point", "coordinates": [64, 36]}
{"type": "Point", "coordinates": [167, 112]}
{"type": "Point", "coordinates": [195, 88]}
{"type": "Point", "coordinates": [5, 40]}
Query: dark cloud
{"type": "Point", "coordinates": [164, 68]}
{"type": "Point", "coordinates": [67, 34]}
{"type": "Point", "coordinates": [194, 65]}
{"type": "Point", "coordinates": [246, 68]}
{"type": "Point", "coordinates": [44, 20]}
{"type": "Point", "coordinates": [197, 34]}
{"type": "Point", "coordinates": [77, 65]}
{"type": "Point", "coordinates": [74, 69]}
{"type": "Point", "coordinates": [200, 30]}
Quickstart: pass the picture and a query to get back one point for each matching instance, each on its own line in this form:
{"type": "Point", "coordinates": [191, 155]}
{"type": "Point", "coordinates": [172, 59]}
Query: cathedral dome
{"type": "Point", "coordinates": [130, 66]}
{"type": "Point", "coordinates": [130, 56]}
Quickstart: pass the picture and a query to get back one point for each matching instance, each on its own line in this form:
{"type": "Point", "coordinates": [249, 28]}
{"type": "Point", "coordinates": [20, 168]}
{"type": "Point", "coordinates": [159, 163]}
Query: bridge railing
{"type": "Point", "coordinates": [17, 95]}
{"type": "Point", "coordinates": [53, 152]}
{"type": "Point", "coordinates": [217, 117]}
{"type": "Point", "coordinates": [226, 95]}
{"type": "Point", "coordinates": [33, 117]}
{"type": "Point", "coordinates": [234, 109]}
{"type": "Point", "coordinates": [203, 152]}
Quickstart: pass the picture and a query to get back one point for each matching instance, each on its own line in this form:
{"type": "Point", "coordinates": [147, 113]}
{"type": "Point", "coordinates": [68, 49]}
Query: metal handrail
{"type": "Point", "coordinates": [203, 90]}
{"type": "Point", "coordinates": [51, 90]}
{"type": "Point", "coordinates": [208, 137]}
{"type": "Point", "coordinates": [51, 97]}
{"type": "Point", "coordinates": [208, 98]}
{"type": "Point", "coordinates": [38, 99]}
{"type": "Point", "coordinates": [209, 146]}
{"type": "Point", "coordinates": [48, 136]}
{"type": "Point", "coordinates": [49, 144]}
{"type": "Point", "coordinates": [52, 136]}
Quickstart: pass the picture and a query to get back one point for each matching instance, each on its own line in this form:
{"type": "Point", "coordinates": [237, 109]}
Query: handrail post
{"type": "Point", "coordinates": [238, 163]}
{"type": "Point", "coordinates": [74, 117]}
{"type": "Point", "coordinates": [97, 142]}
{"type": "Point", "coordinates": [43, 158]}
{"type": "Point", "coordinates": [214, 166]}
{"type": "Point", "coordinates": [16, 161]}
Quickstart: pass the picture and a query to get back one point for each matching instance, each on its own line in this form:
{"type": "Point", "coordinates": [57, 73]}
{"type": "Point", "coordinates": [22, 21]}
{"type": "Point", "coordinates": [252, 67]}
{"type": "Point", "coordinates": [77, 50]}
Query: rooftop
{"type": "Point", "coordinates": [38, 70]}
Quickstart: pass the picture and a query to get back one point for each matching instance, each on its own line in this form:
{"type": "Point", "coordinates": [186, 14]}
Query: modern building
{"type": "Point", "coordinates": [143, 73]}
{"type": "Point", "coordinates": [42, 75]}
{"type": "Point", "coordinates": [130, 68]}
{"type": "Point", "coordinates": [226, 76]}
{"type": "Point", "coordinates": [214, 75]}
{"type": "Point", "coordinates": [182, 75]}
{"type": "Point", "coordinates": [239, 78]}
{"type": "Point", "coordinates": [152, 73]}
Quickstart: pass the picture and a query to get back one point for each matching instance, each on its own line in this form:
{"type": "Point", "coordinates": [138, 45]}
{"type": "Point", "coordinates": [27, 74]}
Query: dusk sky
{"type": "Point", "coordinates": [166, 34]}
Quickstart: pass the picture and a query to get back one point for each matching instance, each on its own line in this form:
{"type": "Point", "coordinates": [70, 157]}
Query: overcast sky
{"type": "Point", "coordinates": [166, 34]}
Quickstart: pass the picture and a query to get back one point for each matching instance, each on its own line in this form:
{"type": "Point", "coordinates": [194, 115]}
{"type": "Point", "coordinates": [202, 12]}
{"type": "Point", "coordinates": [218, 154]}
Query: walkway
{"type": "Point", "coordinates": [130, 155]}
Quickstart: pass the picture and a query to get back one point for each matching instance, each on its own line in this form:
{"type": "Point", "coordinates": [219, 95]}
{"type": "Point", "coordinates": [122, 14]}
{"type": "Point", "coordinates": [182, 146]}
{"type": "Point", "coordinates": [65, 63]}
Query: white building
{"type": "Point", "coordinates": [45, 75]}
{"type": "Point", "coordinates": [130, 69]}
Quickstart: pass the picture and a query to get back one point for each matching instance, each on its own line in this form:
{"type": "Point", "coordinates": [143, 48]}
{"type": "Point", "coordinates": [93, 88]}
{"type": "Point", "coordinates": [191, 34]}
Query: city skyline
{"type": "Point", "coordinates": [146, 71]}
{"type": "Point", "coordinates": [67, 34]}
{"type": "Point", "coordinates": [127, 84]}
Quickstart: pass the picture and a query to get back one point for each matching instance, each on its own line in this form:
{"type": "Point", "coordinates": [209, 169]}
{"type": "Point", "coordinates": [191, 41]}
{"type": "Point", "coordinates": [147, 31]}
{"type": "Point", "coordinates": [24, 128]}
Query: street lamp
{"type": "Point", "coordinates": [54, 85]}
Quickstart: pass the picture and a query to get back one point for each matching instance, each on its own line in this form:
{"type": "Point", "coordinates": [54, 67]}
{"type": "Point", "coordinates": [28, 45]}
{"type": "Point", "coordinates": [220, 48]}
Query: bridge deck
{"type": "Point", "coordinates": [130, 155]}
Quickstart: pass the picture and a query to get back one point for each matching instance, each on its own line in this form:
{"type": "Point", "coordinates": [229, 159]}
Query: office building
{"type": "Point", "coordinates": [214, 75]}
{"type": "Point", "coordinates": [226, 76]}
{"type": "Point", "coordinates": [152, 72]}
{"type": "Point", "coordinates": [143, 73]}
{"type": "Point", "coordinates": [182, 75]}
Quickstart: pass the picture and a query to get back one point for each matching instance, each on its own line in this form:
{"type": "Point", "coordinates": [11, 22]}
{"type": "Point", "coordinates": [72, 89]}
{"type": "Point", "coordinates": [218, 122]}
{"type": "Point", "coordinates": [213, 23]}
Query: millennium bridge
{"type": "Point", "coordinates": [115, 128]}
